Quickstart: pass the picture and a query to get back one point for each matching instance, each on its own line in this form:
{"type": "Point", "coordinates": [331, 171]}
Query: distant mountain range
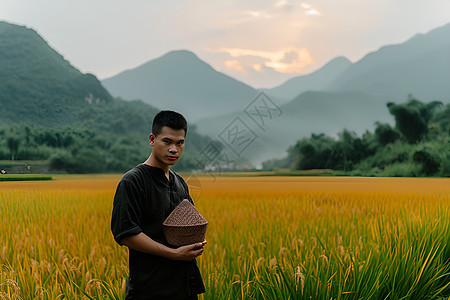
{"type": "Point", "coordinates": [316, 81]}
{"type": "Point", "coordinates": [39, 85]}
{"type": "Point", "coordinates": [181, 81]}
{"type": "Point", "coordinates": [310, 112]}
{"type": "Point", "coordinates": [353, 96]}
{"type": "Point", "coordinates": [419, 66]}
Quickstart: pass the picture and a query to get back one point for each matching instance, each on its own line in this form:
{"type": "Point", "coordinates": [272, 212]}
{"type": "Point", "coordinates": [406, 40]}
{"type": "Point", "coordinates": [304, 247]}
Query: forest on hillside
{"type": "Point", "coordinates": [82, 150]}
{"type": "Point", "coordinates": [418, 145]}
{"type": "Point", "coordinates": [111, 138]}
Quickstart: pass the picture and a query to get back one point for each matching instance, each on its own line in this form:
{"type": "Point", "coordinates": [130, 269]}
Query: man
{"type": "Point", "coordinates": [145, 196]}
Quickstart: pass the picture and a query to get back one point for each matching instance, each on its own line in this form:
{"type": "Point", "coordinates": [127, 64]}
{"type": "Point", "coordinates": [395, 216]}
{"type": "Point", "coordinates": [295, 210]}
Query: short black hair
{"type": "Point", "coordinates": [170, 119]}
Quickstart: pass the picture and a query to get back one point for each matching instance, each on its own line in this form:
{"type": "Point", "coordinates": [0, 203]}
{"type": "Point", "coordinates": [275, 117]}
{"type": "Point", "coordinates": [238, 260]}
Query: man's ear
{"type": "Point", "coordinates": [151, 139]}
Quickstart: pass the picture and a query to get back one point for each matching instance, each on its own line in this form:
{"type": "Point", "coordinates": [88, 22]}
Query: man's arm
{"type": "Point", "coordinates": [143, 243]}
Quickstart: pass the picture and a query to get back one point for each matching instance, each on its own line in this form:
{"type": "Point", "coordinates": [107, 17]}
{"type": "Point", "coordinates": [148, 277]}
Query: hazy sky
{"type": "Point", "coordinates": [260, 42]}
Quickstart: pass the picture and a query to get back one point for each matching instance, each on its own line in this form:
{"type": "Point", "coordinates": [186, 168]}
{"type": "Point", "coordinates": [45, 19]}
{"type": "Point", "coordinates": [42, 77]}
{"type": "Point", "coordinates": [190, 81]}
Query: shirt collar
{"type": "Point", "coordinates": [160, 173]}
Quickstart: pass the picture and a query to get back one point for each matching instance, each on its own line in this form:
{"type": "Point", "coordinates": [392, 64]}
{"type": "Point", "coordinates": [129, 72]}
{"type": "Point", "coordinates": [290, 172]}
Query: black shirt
{"type": "Point", "coordinates": [143, 200]}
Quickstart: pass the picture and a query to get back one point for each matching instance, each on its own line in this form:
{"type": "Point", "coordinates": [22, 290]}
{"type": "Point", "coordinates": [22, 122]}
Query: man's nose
{"type": "Point", "coordinates": [173, 149]}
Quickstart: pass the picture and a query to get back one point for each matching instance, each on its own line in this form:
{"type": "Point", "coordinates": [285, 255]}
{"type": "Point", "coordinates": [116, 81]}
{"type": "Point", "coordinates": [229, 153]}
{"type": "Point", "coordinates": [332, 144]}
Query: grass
{"type": "Point", "coordinates": [24, 177]}
{"type": "Point", "coordinates": [11, 163]}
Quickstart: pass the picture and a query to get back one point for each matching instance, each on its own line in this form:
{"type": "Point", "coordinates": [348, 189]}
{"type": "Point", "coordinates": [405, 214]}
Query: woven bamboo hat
{"type": "Point", "coordinates": [185, 225]}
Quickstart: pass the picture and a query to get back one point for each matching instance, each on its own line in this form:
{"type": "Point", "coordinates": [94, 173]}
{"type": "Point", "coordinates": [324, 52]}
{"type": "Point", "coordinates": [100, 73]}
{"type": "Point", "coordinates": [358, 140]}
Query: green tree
{"type": "Point", "coordinates": [385, 134]}
{"type": "Point", "coordinates": [313, 152]}
{"type": "Point", "coordinates": [412, 118]}
{"type": "Point", "coordinates": [13, 146]}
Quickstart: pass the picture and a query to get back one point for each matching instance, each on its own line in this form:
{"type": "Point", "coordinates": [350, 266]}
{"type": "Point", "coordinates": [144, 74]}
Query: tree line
{"type": "Point", "coordinates": [83, 150]}
{"type": "Point", "coordinates": [417, 145]}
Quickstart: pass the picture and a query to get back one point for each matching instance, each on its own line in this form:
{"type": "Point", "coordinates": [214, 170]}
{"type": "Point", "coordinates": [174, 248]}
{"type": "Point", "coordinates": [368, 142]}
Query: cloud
{"type": "Point", "coordinates": [258, 68]}
{"type": "Point", "coordinates": [240, 17]}
{"type": "Point", "coordinates": [280, 11]}
{"type": "Point", "coordinates": [234, 65]}
{"type": "Point", "coordinates": [290, 6]}
{"type": "Point", "coordinates": [283, 4]}
{"type": "Point", "coordinates": [257, 14]}
{"type": "Point", "coordinates": [310, 10]}
{"type": "Point", "coordinates": [286, 60]}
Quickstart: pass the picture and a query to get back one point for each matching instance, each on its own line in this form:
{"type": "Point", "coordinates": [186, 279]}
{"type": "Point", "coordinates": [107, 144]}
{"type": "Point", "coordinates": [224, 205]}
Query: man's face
{"type": "Point", "coordinates": [168, 145]}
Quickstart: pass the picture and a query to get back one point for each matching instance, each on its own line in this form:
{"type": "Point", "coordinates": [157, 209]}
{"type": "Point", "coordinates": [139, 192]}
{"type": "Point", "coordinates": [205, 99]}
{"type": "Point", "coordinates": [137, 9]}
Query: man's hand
{"type": "Point", "coordinates": [143, 243]}
{"type": "Point", "coordinates": [189, 252]}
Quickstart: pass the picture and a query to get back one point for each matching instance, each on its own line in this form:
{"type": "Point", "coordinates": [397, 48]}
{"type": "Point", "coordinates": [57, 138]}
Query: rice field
{"type": "Point", "coordinates": [268, 238]}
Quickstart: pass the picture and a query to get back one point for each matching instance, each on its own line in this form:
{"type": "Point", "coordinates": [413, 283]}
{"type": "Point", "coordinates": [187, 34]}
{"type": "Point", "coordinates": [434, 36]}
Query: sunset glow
{"type": "Point", "coordinates": [287, 60]}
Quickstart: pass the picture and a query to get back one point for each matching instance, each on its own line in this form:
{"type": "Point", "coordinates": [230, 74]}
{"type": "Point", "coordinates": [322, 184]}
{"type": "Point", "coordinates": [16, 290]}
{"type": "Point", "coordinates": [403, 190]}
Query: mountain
{"type": "Point", "coordinates": [310, 112]}
{"type": "Point", "coordinates": [54, 112]}
{"type": "Point", "coordinates": [315, 81]}
{"type": "Point", "coordinates": [180, 81]}
{"type": "Point", "coordinates": [420, 66]}
{"type": "Point", "coordinates": [351, 96]}
{"type": "Point", "coordinates": [37, 85]}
